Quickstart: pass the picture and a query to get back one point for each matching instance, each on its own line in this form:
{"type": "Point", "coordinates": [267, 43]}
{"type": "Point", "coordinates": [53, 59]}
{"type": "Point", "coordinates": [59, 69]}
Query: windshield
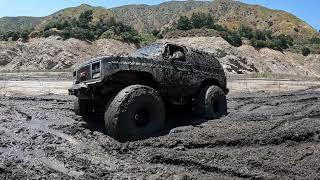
{"type": "Point", "coordinates": [149, 51]}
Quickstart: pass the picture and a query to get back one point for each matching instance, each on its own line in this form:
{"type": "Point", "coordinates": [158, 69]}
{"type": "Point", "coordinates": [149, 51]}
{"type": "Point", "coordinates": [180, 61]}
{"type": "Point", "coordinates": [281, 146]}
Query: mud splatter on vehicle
{"type": "Point", "coordinates": [135, 91]}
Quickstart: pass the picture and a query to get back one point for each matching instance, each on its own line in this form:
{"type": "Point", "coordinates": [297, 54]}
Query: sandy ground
{"type": "Point", "coordinates": [266, 135]}
{"type": "Point", "coordinates": [43, 86]}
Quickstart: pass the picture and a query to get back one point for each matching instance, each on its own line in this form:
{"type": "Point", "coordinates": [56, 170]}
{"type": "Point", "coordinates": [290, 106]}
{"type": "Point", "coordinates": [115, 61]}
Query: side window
{"type": "Point", "coordinates": [175, 53]}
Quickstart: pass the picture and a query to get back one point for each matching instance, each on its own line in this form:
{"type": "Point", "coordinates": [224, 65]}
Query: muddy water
{"type": "Point", "coordinates": [265, 135]}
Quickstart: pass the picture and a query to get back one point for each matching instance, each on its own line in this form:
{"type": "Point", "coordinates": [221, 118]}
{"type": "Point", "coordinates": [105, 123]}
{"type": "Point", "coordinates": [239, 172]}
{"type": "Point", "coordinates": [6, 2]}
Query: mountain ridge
{"type": "Point", "coordinates": [145, 17]}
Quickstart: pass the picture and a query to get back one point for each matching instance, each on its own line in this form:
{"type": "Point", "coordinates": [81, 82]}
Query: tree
{"type": "Point", "coordinates": [218, 27]}
{"type": "Point", "coordinates": [14, 35]}
{"type": "Point", "coordinates": [306, 51]}
{"type": "Point", "coordinates": [282, 42]}
{"type": "Point", "coordinates": [198, 20]}
{"type": "Point", "coordinates": [24, 36]}
{"type": "Point", "coordinates": [184, 23]}
{"type": "Point", "coordinates": [155, 32]}
{"type": "Point", "coordinates": [260, 35]}
{"type": "Point", "coordinates": [232, 38]}
{"type": "Point", "coordinates": [236, 40]}
{"type": "Point", "coordinates": [85, 18]}
{"type": "Point", "coordinates": [245, 31]}
{"type": "Point", "coordinates": [209, 22]}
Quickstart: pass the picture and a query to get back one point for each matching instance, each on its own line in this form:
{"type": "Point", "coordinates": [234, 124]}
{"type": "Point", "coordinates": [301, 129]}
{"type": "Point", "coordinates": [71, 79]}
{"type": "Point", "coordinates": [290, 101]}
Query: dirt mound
{"type": "Point", "coordinates": [53, 53]}
{"type": "Point", "coordinates": [265, 136]}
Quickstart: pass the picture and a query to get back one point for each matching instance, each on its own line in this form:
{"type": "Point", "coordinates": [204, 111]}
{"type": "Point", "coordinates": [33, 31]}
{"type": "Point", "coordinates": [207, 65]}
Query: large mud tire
{"type": "Point", "coordinates": [135, 112]}
{"type": "Point", "coordinates": [81, 107]}
{"type": "Point", "coordinates": [211, 103]}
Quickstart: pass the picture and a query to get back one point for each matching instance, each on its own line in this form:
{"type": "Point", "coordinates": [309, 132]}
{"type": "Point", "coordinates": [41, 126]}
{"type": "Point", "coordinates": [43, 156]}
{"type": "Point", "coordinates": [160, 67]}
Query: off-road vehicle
{"type": "Point", "coordinates": [134, 91]}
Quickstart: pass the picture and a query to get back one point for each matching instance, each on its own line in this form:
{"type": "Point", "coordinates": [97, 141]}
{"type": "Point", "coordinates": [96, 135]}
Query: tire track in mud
{"type": "Point", "coordinates": [265, 136]}
{"type": "Point", "coordinates": [63, 150]}
{"type": "Point", "coordinates": [302, 128]}
{"type": "Point", "coordinates": [40, 128]}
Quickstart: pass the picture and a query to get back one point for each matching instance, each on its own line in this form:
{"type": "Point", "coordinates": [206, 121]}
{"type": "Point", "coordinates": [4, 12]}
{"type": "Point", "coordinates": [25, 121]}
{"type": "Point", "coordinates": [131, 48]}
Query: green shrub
{"type": "Point", "coordinates": [184, 23]}
{"type": "Point", "coordinates": [24, 36]}
{"type": "Point", "coordinates": [260, 35]}
{"type": "Point", "coordinates": [146, 38]}
{"type": "Point", "coordinates": [314, 40]}
{"type": "Point", "coordinates": [155, 32]}
{"type": "Point", "coordinates": [232, 38]}
{"type": "Point", "coordinates": [305, 51]}
{"type": "Point", "coordinates": [246, 32]}
{"type": "Point", "coordinates": [198, 20]}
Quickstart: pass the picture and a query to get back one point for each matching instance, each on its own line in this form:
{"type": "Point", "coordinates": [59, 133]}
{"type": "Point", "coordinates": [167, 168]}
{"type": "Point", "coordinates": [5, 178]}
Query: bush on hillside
{"type": "Point", "coordinates": [232, 38]}
{"type": "Point", "coordinates": [306, 51]}
{"type": "Point", "coordinates": [314, 40]}
{"type": "Point", "coordinates": [184, 23]}
{"type": "Point", "coordinates": [15, 35]}
{"type": "Point", "coordinates": [197, 21]}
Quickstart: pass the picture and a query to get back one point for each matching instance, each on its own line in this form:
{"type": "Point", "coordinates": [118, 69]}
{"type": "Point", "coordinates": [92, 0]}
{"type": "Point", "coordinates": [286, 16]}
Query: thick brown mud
{"type": "Point", "coordinates": [265, 136]}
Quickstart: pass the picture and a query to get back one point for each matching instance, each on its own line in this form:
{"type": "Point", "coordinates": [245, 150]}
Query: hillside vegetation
{"type": "Point", "coordinates": [68, 14]}
{"type": "Point", "coordinates": [18, 23]}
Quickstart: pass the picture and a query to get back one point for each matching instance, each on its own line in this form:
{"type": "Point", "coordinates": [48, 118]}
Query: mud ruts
{"type": "Point", "coordinates": [265, 136]}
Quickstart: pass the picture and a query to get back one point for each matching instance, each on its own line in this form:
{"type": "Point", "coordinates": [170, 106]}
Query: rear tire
{"type": "Point", "coordinates": [135, 112]}
{"type": "Point", "coordinates": [211, 103]}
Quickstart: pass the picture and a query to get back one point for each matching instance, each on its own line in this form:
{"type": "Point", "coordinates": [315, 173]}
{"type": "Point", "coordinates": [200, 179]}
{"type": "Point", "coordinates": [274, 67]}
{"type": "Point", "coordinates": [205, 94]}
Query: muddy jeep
{"type": "Point", "coordinates": [133, 92]}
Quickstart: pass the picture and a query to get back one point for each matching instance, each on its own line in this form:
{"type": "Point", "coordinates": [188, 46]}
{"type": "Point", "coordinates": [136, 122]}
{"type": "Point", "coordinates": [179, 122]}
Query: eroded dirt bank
{"type": "Point", "coordinates": [265, 136]}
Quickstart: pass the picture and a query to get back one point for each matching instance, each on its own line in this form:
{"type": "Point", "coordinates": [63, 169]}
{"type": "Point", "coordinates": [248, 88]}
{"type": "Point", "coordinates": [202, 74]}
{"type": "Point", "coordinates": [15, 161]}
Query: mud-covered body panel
{"type": "Point", "coordinates": [174, 77]}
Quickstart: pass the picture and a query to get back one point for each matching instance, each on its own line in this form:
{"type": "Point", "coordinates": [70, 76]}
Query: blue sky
{"type": "Point", "coordinates": [308, 10]}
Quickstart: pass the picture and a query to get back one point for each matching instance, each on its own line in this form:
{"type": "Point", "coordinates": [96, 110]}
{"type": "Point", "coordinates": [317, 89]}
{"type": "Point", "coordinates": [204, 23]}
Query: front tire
{"type": "Point", "coordinates": [135, 112]}
{"type": "Point", "coordinates": [211, 103]}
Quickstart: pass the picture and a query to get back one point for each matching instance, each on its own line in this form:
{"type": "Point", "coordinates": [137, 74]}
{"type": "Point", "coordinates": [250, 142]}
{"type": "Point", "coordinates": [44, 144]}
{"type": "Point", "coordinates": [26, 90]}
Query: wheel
{"type": "Point", "coordinates": [135, 112]}
{"type": "Point", "coordinates": [81, 107]}
{"type": "Point", "coordinates": [211, 103]}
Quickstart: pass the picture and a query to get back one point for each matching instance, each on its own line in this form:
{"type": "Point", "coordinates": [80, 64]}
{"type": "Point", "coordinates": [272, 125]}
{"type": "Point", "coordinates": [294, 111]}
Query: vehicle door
{"type": "Point", "coordinates": [179, 61]}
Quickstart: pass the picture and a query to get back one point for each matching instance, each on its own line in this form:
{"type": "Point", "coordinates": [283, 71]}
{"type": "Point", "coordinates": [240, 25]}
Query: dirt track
{"type": "Point", "coordinates": [264, 136]}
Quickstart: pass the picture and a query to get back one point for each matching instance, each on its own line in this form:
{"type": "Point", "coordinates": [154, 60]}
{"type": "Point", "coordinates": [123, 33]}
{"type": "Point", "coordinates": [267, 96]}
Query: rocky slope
{"type": "Point", "coordinates": [55, 54]}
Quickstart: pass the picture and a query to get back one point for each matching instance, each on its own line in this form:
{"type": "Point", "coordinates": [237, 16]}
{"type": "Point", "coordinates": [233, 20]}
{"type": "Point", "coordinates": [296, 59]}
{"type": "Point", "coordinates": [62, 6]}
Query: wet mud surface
{"type": "Point", "coordinates": [265, 136]}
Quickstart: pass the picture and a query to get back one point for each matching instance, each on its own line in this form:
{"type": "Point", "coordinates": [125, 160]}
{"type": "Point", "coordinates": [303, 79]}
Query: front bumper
{"type": "Point", "coordinates": [226, 91]}
{"type": "Point", "coordinates": [78, 90]}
